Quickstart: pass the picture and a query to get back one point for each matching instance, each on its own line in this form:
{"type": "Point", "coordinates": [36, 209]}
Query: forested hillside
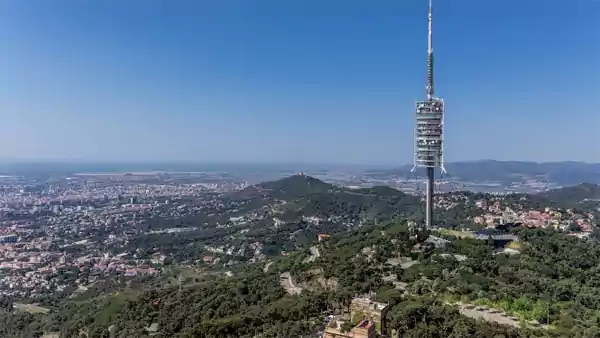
{"type": "Point", "coordinates": [575, 194]}
{"type": "Point", "coordinates": [552, 281]}
{"type": "Point", "coordinates": [545, 285]}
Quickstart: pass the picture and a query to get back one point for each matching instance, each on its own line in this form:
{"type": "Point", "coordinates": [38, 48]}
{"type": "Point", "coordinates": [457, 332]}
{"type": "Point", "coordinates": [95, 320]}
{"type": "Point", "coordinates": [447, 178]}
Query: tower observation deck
{"type": "Point", "coordinates": [429, 133]}
{"type": "Point", "coordinates": [429, 130]}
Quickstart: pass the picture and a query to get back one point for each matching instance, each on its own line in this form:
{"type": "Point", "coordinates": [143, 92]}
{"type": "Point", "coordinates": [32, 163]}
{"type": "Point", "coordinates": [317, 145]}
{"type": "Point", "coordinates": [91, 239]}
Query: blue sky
{"type": "Point", "coordinates": [321, 81]}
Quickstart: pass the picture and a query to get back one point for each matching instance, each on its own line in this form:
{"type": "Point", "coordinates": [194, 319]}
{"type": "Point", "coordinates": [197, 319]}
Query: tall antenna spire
{"type": "Point", "coordinates": [430, 54]}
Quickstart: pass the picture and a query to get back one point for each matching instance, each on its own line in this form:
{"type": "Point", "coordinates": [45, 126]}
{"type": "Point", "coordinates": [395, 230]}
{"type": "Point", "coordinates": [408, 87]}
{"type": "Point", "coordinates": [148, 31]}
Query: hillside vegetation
{"type": "Point", "coordinates": [553, 281]}
{"type": "Point", "coordinates": [574, 194]}
{"type": "Point", "coordinates": [551, 286]}
{"type": "Point", "coordinates": [304, 196]}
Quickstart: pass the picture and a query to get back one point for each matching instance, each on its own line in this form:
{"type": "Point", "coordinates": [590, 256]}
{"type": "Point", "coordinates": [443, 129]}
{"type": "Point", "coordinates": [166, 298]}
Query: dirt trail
{"type": "Point", "coordinates": [288, 284]}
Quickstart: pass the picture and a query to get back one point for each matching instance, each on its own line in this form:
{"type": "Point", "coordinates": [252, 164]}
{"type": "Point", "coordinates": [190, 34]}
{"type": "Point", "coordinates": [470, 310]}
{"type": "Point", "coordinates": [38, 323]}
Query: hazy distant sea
{"type": "Point", "coordinates": [66, 168]}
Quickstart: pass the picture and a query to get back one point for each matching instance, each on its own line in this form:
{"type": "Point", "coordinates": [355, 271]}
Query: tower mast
{"type": "Point", "coordinates": [430, 53]}
{"type": "Point", "coordinates": [430, 169]}
{"type": "Point", "coordinates": [429, 129]}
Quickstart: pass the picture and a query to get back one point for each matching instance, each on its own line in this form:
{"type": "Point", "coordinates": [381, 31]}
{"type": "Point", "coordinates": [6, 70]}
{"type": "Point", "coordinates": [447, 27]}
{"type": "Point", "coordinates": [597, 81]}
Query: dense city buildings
{"type": "Point", "coordinates": [68, 233]}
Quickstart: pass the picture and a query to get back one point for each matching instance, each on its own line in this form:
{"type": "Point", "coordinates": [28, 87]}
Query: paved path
{"type": "Point", "coordinates": [314, 254]}
{"type": "Point", "coordinates": [288, 284]}
{"type": "Point", "coordinates": [267, 266]}
{"type": "Point", "coordinates": [31, 308]}
{"type": "Point", "coordinates": [315, 251]}
{"type": "Point", "coordinates": [394, 280]}
{"type": "Point", "coordinates": [489, 315]}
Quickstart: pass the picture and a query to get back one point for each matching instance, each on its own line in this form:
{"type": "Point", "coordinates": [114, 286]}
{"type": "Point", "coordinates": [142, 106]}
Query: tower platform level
{"type": "Point", "coordinates": [429, 137]}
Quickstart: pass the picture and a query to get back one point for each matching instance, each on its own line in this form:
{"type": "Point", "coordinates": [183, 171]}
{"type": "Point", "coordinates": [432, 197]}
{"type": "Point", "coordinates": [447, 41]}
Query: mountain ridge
{"type": "Point", "coordinates": [508, 172]}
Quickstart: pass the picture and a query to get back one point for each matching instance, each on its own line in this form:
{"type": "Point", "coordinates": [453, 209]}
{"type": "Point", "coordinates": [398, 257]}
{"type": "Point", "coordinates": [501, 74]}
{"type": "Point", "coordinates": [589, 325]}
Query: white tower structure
{"type": "Point", "coordinates": [429, 130]}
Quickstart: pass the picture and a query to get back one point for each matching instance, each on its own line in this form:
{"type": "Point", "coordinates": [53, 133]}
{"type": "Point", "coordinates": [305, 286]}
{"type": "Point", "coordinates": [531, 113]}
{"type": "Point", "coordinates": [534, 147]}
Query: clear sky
{"type": "Point", "coordinates": [321, 81]}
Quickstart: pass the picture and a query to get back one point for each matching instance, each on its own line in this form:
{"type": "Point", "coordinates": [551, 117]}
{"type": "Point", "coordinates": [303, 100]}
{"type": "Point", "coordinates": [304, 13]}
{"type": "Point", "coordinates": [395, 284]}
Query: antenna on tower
{"type": "Point", "coordinates": [430, 90]}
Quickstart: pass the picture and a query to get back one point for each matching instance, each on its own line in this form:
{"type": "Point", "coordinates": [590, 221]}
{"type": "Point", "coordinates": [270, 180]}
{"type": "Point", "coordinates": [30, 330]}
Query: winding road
{"type": "Point", "coordinates": [288, 284]}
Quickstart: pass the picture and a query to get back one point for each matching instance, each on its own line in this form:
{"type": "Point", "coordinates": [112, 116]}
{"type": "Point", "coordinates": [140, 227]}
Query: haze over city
{"type": "Point", "coordinates": [296, 81]}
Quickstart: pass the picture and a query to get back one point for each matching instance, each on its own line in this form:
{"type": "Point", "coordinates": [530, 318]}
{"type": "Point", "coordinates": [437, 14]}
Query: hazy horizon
{"type": "Point", "coordinates": [268, 81]}
{"type": "Point", "coordinates": [257, 163]}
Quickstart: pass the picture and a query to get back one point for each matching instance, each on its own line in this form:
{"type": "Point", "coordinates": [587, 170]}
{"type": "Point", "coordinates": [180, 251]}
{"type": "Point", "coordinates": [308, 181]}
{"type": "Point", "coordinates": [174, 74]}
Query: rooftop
{"type": "Point", "coordinates": [365, 324]}
{"type": "Point", "coordinates": [366, 302]}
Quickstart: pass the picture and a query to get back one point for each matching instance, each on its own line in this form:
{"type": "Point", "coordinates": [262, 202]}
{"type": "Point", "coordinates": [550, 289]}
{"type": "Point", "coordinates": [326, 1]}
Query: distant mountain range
{"type": "Point", "coordinates": [510, 172]}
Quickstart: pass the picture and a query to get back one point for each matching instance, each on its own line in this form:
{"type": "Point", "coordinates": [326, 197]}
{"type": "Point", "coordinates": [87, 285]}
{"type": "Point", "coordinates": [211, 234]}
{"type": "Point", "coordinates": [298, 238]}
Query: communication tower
{"type": "Point", "coordinates": [429, 130]}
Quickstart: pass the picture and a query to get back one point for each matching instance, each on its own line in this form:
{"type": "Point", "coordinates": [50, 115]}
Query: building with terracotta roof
{"type": "Point", "coordinates": [366, 308]}
{"type": "Point", "coordinates": [322, 237]}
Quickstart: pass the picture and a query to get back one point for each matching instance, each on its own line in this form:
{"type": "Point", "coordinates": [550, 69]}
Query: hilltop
{"type": "Point", "coordinates": [296, 186]}
{"type": "Point", "coordinates": [308, 196]}
{"type": "Point", "coordinates": [287, 214]}
{"type": "Point", "coordinates": [287, 188]}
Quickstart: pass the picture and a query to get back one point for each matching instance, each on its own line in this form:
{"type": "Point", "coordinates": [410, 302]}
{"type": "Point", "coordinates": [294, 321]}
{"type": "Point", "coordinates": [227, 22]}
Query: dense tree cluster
{"type": "Point", "coordinates": [554, 280]}
{"type": "Point", "coordinates": [229, 307]}
{"type": "Point", "coordinates": [425, 317]}
{"type": "Point", "coordinates": [573, 195]}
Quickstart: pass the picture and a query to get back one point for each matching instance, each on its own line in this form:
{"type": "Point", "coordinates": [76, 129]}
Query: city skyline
{"type": "Point", "coordinates": [311, 83]}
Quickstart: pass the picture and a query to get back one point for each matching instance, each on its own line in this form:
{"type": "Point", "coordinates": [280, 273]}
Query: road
{"type": "Point", "coordinates": [394, 280]}
{"type": "Point", "coordinates": [314, 254]}
{"type": "Point", "coordinates": [267, 266]}
{"type": "Point", "coordinates": [31, 308]}
{"type": "Point", "coordinates": [489, 315]}
{"type": "Point", "coordinates": [315, 251]}
{"type": "Point", "coordinates": [288, 284]}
